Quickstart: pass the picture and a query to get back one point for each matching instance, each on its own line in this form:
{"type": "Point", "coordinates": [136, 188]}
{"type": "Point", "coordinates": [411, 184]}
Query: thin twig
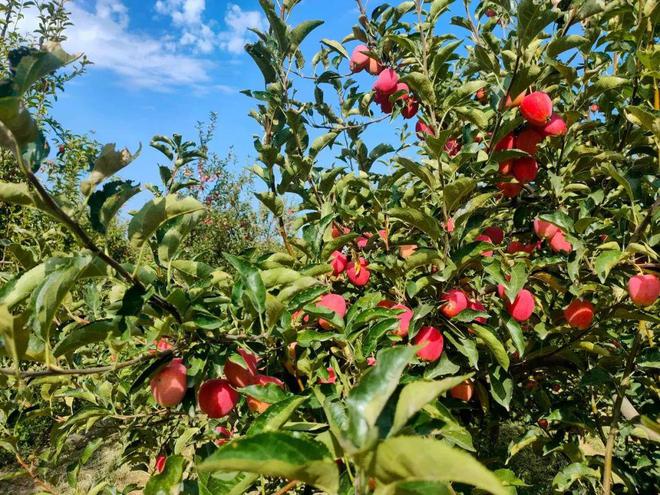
{"type": "Point", "coordinates": [616, 412]}
{"type": "Point", "coordinates": [287, 488]}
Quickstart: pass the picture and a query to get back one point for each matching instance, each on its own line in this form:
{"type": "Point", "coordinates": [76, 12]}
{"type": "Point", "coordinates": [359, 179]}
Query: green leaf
{"type": "Point", "coordinates": [108, 163]}
{"type": "Point", "coordinates": [501, 387]}
{"type": "Point", "coordinates": [605, 261]}
{"type": "Point", "coordinates": [277, 454]}
{"type": "Point", "coordinates": [335, 46]}
{"type": "Point", "coordinates": [532, 19]}
{"type": "Point", "coordinates": [38, 64]}
{"type": "Point", "coordinates": [570, 474]}
{"type": "Point", "coordinates": [605, 83]}
{"type": "Point", "coordinates": [494, 345]}
{"type": "Point", "coordinates": [251, 280]}
{"type": "Point", "coordinates": [300, 32]}
{"type": "Point", "coordinates": [516, 335]}
{"type": "Point", "coordinates": [167, 482]}
{"type": "Point", "coordinates": [321, 142]}
{"type": "Point", "coordinates": [424, 459]}
{"type": "Point", "coordinates": [418, 219]}
{"type": "Point", "coordinates": [276, 415]}
{"type": "Point", "coordinates": [49, 294]}
{"type": "Point", "coordinates": [527, 439]}
{"type": "Point", "coordinates": [414, 396]}
{"type": "Point", "coordinates": [181, 227]}
{"type": "Point", "coordinates": [438, 7]}
{"type": "Point", "coordinates": [414, 488]}
{"type": "Point", "coordinates": [156, 212]}
{"type": "Point", "coordinates": [264, 60]}
{"type": "Point", "coordinates": [91, 333]}
{"type": "Point", "coordinates": [366, 401]}
{"type": "Point", "coordinates": [417, 170]}
{"type": "Point", "coordinates": [20, 194]}
{"type": "Point", "coordinates": [456, 191]}
{"type": "Point", "coordinates": [444, 52]}
{"type": "Point", "coordinates": [421, 86]}
{"type": "Point", "coordinates": [104, 204]}
{"type": "Point", "coordinates": [560, 45]}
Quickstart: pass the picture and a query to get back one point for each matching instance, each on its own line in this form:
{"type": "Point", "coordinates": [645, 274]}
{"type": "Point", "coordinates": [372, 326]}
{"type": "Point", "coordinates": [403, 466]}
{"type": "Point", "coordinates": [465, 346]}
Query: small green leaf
{"type": "Point", "coordinates": [418, 219]}
{"type": "Point", "coordinates": [605, 261]}
{"type": "Point", "coordinates": [167, 482]}
{"type": "Point", "coordinates": [493, 344]}
{"type": "Point", "coordinates": [456, 191]}
{"type": "Point", "coordinates": [277, 454]}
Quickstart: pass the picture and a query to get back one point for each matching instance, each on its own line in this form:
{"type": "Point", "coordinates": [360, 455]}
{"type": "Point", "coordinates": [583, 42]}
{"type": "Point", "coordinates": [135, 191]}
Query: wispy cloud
{"type": "Point", "coordinates": [204, 36]}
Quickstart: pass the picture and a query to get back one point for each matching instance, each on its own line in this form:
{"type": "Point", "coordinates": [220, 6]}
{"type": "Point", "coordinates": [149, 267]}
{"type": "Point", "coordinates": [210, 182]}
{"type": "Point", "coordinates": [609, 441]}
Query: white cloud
{"type": "Point", "coordinates": [102, 33]}
{"type": "Point", "coordinates": [199, 35]}
{"type": "Point", "coordinates": [239, 21]}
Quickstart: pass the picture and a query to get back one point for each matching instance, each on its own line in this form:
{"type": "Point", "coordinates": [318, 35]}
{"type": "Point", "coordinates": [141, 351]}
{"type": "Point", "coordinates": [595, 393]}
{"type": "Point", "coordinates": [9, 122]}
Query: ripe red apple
{"type": "Point", "coordinates": [410, 108]}
{"type": "Point", "coordinates": [490, 13]}
{"type": "Point", "coordinates": [644, 289]}
{"type": "Point", "coordinates": [333, 302]}
{"type": "Point", "coordinates": [163, 345]}
{"type": "Point", "coordinates": [406, 250]}
{"type": "Point", "coordinates": [555, 127]}
{"type": "Point", "coordinates": [386, 82]}
{"type": "Point", "coordinates": [519, 247]}
{"type": "Point", "coordinates": [238, 375]}
{"type": "Point", "coordinates": [579, 314]}
{"type": "Point", "coordinates": [374, 67]}
{"type": "Point", "coordinates": [594, 108]}
{"type": "Point", "coordinates": [332, 377]}
{"type": "Point", "coordinates": [359, 59]}
{"type": "Point", "coordinates": [477, 306]}
{"type": "Point", "coordinates": [485, 238]}
{"type": "Point", "coordinates": [432, 341]}
{"type": "Point", "coordinates": [259, 406]}
{"type": "Point", "coordinates": [544, 230]}
{"type": "Point", "coordinates": [528, 140]}
{"type": "Point", "coordinates": [422, 129]}
{"type": "Point", "coordinates": [559, 244]}
{"type": "Point", "coordinates": [450, 225]}
{"type": "Point", "coordinates": [452, 147]}
{"type": "Point", "coordinates": [516, 102]}
{"type": "Point", "coordinates": [225, 435]}
{"type": "Point", "coordinates": [522, 307]}
{"type": "Point", "coordinates": [371, 361]}
{"type": "Point", "coordinates": [525, 169]}
{"type": "Point", "coordinates": [496, 234]}
{"type": "Point", "coordinates": [338, 262]}
{"type": "Point", "coordinates": [455, 301]}
{"type": "Point", "coordinates": [169, 384]}
{"type": "Point", "coordinates": [509, 189]}
{"type": "Point", "coordinates": [358, 273]}
{"type": "Point", "coordinates": [339, 231]}
{"type": "Point", "coordinates": [482, 95]}
{"type": "Point", "coordinates": [160, 463]}
{"type": "Point", "coordinates": [404, 318]}
{"type": "Point", "coordinates": [506, 143]}
{"type": "Point", "coordinates": [217, 398]}
{"type": "Point", "coordinates": [536, 108]}
{"type": "Point", "coordinates": [463, 392]}
{"type": "Point", "coordinates": [362, 241]}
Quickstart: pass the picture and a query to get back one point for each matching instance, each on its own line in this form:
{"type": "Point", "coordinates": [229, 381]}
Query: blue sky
{"type": "Point", "coordinates": [160, 66]}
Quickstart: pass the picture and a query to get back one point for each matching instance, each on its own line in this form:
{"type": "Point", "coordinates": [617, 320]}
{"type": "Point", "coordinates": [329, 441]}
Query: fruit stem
{"type": "Point", "coordinates": [616, 412]}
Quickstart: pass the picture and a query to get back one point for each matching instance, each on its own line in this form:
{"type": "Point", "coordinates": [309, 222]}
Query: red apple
{"type": "Point", "coordinates": [496, 234]}
{"type": "Point", "coordinates": [387, 82]}
{"type": "Point", "coordinates": [463, 392]}
{"type": "Point", "coordinates": [358, 273]}
{"type": "Point", "coordinates": [452, 147]}
{"type": "Point", "coordinates": [239, 375]}
{"type": "Point", "coordinates": [455, 302]}
{"type": "Point", "coordinates": [528, 140]}
{"type": "Point", "coordinates": [422, 129]}
{"type": "Point", "coordinates": [333, 302]}
{"type": "Point", "coordinates": [544, 230]}
{"type": "Point", "coordinates": [536, 108]}
{"type": "Point", "coordinates": [225, 435]}
{"type": "Point", "coordinates": [371, 361]}
{"type": "Point", "coordinates": [338, 263]}
{"type": "Point", "coordinates": [509, 189]}
{"type": "Point", "coordinates": [169, 384]}
{"type": "Point", "coordinates": [332, 377]}
{"type": "Point", "coordinates": [594, 108]}
{"type": "Point", "coordinates": [450, 225]}
{"type": "Point", "coordinates": [559, 244]}
{"type": "Point", "coordinates": [160, 463]}
{"type": "Point", "coordinates": [217, 398]}
{"type": "Point", "coordinates": [339, 231]}
{"type": "Point", "coordinates": [516, 102]}
{"type": "Point", "coordinates": [579, 314]}
{"type": "Point", "coordinates": [359, 59]}
{"type": "Point", "coordinates": [556, 126]}
{"type": "Point", "coordinates": [482, 95]}
{"type": "Point", "coordinates": [362, 241]}
{"type": "Point", "coordinates": [477, 306]}
{"type": "Point", "coordinates": [432, 341]}
{"type": "Point", "coordinates": [506, 143]}
{"type": "Point", "coordinates": [404, 317]}
{"type": "Point", "coordinates": [374, 67]}
{"type": "Point", "coordinates": [644, 289]}
{"type": "Point", "coordinates": [525, 169]}
{"type": "Point", "coordinates": [522, 307]}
